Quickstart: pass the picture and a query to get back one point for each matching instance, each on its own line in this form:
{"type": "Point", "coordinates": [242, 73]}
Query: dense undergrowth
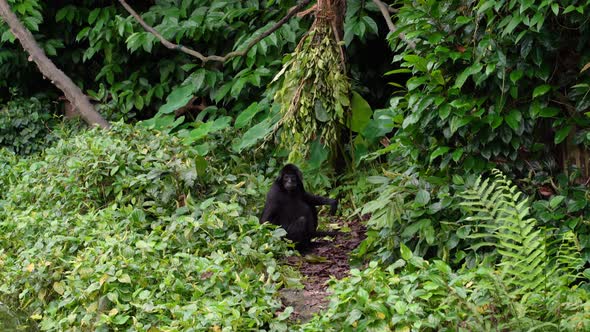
{"type": "Point", "coordinates": [132, 229]}
{"type": "Point", "coordinates": [493, 267]}
{"type": "Point", "coordinates": [140, 230]}
{"type": "Point", "coordinates": [119, 230]}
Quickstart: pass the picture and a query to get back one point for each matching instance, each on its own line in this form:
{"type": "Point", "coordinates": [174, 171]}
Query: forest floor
{"type": "Point", "coordinates": [327, 257]}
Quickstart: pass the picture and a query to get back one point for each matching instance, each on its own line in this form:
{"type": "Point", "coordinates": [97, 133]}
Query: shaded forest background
{"type": "Point", "coordinates": [460, 129]}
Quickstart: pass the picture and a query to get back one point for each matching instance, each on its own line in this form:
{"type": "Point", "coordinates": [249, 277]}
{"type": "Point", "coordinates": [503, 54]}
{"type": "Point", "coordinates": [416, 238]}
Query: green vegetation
{"type": "Point", "coordinates": [107, 238]}
{"type": "Point", "coordinates": [460, 133]}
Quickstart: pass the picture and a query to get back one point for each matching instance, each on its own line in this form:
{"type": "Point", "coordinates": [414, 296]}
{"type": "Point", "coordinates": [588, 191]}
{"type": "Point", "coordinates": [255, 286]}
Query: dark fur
{"type": "Point", "coordinates": [294, 210]}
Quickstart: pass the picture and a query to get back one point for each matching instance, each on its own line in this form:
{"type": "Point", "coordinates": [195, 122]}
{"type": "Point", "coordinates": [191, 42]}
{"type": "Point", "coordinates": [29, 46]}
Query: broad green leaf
{"type": "Point", "coordinates": [485, 6]}
{"type": "Point", "coordinates": [405, 252]}
{"type": "Point", "coordinates": [516, 75]}
{"type": "Point", "coordinates": [457, 154]}
{"type": "Point", "coordinates": [178, 98]}
{"type": "Point", "coordinates": [93, 15]}
{"type": "Point", "coordinates": [525, 4]}
{"type": "Point", "coordinates": [418, 62]}
{"type": "Point", "coordinates": [204, 129]}
{"type": "Point", "coordinates": [285, 314]}
{"type": "Point", "coordinates": [541, 90]}
{"type": "Point", "coordinates": [569, 9]}
{"type": "Point", "coordinates": [513, 119]}
{"type": "Point", "coordinates": [353, 316]}
{"type": "Point", "coordinates": [253, 135]}
{"type": "Point", "coordinates": [201, 165]}
{"type": "Point", "coordinates": [398, 71]}
{"type": "Point", "coordinates": [441, 150]}
{"type": "Point", "coordinates": [548, 112]}
{"type": "Point", "coordinates": [221, 92]}
{"type": "Point", "coordinates": [220, 123]}
{"type": "Point", "coordinates": [458, 122]}
{"type": "Point", "coordinates": [317, 154]}
{"type": "Point", "coordinates": [422, 197]}
{"type": "Point", "coordinates": [438, 77]}
{"type": "Point", "coordinates": [361, 112]}
{"type": "Point", "coordinates": [415, 82]}
{"type": "Point", "coordinates": [247, 115]}
{"type": "Point", "coordinates": [463, 20]}
{"type": "Point", "coordinates": [555, 201]}
{"type": "Point", "coordinates": [562, 134]}
{"type": "Point", "coordinates": [124, 278]}
{"type": "Point", "coordinates": [495, 121]}
{"type": "Point", "coordinates": [444, 111]}
{"type": "Point", "coordinates": [370, 23]}
{"type": "Point", "coordinates": [469, 71]}
{"type": "Point", "coordinates": [410, 120]}
{"type": "Point", "coordinates": [514, 22]}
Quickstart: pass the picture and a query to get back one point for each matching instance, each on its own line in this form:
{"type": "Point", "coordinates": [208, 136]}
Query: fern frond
{"type": "Point", "coordinates": [500, 212]}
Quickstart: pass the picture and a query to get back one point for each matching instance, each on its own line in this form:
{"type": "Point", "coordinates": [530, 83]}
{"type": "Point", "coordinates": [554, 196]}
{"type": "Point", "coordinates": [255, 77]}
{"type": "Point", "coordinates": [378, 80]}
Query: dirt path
{"type": "Point", "coordinates": [327, 257]}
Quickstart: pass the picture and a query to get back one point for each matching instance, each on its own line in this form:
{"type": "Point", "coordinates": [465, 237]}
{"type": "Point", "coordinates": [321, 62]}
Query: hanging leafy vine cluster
{"type": "Point", "coordinates": [315, 91]}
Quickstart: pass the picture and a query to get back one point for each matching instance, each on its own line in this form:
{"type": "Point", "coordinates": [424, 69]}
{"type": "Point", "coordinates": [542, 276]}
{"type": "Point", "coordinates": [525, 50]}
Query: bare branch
{"type": "Point", "coordinates": [218, 58]}
{"type": "Point", "coordinates": [163, 40]}
{"type": "Point", "coordinates": [49, 70]}
{"type": "Point", "coordinates": [385, 11]}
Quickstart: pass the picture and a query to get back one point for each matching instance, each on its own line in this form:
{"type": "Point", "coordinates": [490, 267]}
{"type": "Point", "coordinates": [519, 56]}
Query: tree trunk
{"type": "Point", "coordinates": [49, 70]}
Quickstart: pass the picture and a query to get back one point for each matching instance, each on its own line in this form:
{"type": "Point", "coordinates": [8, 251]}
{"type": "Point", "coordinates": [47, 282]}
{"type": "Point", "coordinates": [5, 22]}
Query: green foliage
{"type": "Point", "coordinates": [535, 266]}
{"type": "Point", "coordinates": [25, 125]}
{"type": "Point", "coordinates": [486, 77]}
{"type": "Point", "coordinates": [414, 210]}
{"type": "Point", "coordinates": [97, 169]}
{"type": "Point", "coordinates": [410, 295]}
{"type": "Point", "coordinates": [358, 22]}
{"type": "Point", "coordinates": [500, 214]}
{"type": "Point", "coordinates": [314, 95]}
{"type": "Point", "coordinates": [127, 69]}
{"type": "Point", "coordinates": [112, 230]}
{"type": "Point", "coordinates": [414, 295]}
{"type": "Point", "coordinates": [524, 285]}
{"type": "Point", "coordinates": [7, 173]}
{"type": "Point", "coordinates": [563, 205]}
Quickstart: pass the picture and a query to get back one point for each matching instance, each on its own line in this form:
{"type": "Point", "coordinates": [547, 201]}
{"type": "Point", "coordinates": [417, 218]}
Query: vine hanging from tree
{"type": "Point", "coordinates": [314, 95]}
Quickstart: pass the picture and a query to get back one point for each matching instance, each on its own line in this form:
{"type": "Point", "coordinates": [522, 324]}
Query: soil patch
{"type": "Point", "coordinates": [327, 257]}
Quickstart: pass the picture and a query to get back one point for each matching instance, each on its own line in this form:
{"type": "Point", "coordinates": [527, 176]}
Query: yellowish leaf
{"type": "Point", "coordinates": [58, 287]}
{"type": "Point", "coordinates": [103, 279]}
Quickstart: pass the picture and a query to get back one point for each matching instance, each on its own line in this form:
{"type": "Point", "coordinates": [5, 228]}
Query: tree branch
{"type": "Point", "coordinates": [218, 58]}
{"type": "Point", "coordinates": [385, 12]}
{"type": "Point", "coordinates": [49, 70]}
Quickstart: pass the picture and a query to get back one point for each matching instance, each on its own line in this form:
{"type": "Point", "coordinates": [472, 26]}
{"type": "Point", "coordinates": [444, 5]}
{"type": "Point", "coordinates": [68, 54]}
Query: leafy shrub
{"type": "Point", "coordinates": [414, 295]}
{"type": "Point", "coordinates": [566, 210]}
{"type": "Point", "coordinates": [522, 284]}
{"type": "Point", "coordinates": [7, 174]}
{"type": "Point", "coordinates": [408, 209]}
{"type": "Point", "coordinates": [488, 77]}
{"type": "Point", "coordinates": [25, 125]}
{"type": "Point", "coordinates": [98, 168]}
{"type": "Point", "coordinates": [109, 230]}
